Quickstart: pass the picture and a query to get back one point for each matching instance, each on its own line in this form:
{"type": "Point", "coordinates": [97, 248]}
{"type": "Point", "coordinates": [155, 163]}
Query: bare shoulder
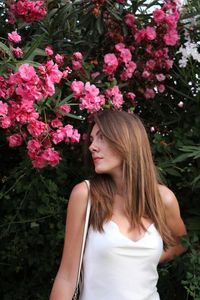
{"type": "Point", "coordinates": [79, 190]}
{"type": "Point", "coordinates": [78, 197]}
{"type": "Point", "coordinates": [168, 197]}
{"type": "Point", "coordinates": [172, 211]}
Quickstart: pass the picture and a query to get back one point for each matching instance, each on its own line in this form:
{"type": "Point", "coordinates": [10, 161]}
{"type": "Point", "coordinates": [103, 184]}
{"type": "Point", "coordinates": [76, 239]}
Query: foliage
{"type": "Point", "coordinates": [32, 226]}
{"type": "Point", "coordinates": [192, 266]}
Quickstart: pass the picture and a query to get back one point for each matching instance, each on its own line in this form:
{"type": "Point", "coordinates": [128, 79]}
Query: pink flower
{"type": "Point", "coordinates": [68, 131]}
{"type": "Point", "coordinates": [91, 101]}
{"type": "Point", "coordinates": [3, 87]}
{"type": "Point", "coordinates": [53, 72]}
{"type": "Point", "coordinates": [48, 51]}
{"type": "Point", "coordinates": [39, 162]}
{"type": "Point", "coordinates": [150, 33]}
{"type": "Point", "coordinates": [161, 88]}
{"type": "Point", "coordinates": [116, 96]}
{"type": "Point", "coordinates": [18, 114]}
{"type": "Point", "coordinates": [65, 108]}
{"type": "Point", "coordinates": [17, 52]}
{"type": "Point", "coordinates": [158, 15]}
{"type": "Point", "coordinates": [77, 88]}
{"type": "Point", "coordinates": [59, 135]}
{"type": "Point", "coordinates": [150, 64]}
{"type": "Point", "coordinates": [56, 123]}
{"type": "Point", "coordinates": [171, 37]}
{"type": "Point", "coordinates": [49, 86]}
{"type": "Point", "coordinates": [36, 128]}
{"type": "Point", "coordinates": [170, 5]}
{"type": "Point", "coordinates": [77, 56]}
{"type": "Point", "coordinates": [149, 93]}
{"type": "Point", "coordinates": [33, 147]}
{"type": "Point", "coordinates": [130, 96]}
{"type": "Point", "coordinates": [128, 71]}
{"type": "Point", "coordinates": [75, 137]}
{"type": "Point", "coordinates": [27, 72]}
{"type": "Point", "coordinates": [59, 58]}
{"type": "Point", "coordinates": [146, 74]}
{"type": "Point", "coordinates": [15, 140]}
{"type": "Point", "coordinates": [51, 156]}
{"type": "Point", "coordinates": [171, 21]}
{"type": "Point", "coordinates": [161, 53]}
{"type": "Point", "coordinates": [14, 37]}
{"type": "Point", "coordinates": [140, 35]}
{"type": "Point", "coordinates": [76, 65]}
{"type": "Point", "coordinates": [110, 63]}
{"type": "Point", "coordinates": [119, 46]}
{"type": "Point", "coordinates": [91, 89]}
{"type": "Point", "coordinates": [129, 20]}
{"type": "Point", "coordinates": [125, 55]}
{"type": "Point", "coordinates": [168, 64]}
{"type": "Point", "coordinates": [29, 92]}
{"type": "Point", "coordinates": [3, 109]}
{"type": "Point", "coordinates": [5, 122]}
{"type": "Point", "coordinates": [160, 77]}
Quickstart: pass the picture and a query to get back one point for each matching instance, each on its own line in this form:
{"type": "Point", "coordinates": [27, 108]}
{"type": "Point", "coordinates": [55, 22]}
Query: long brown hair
{"type": "Point", "coordinates": [127, 136]}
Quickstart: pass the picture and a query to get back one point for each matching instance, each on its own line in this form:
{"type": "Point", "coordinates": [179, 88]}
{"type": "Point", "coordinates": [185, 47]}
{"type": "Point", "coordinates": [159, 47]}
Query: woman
{"type": "Point", "coordinates": [135, 222]}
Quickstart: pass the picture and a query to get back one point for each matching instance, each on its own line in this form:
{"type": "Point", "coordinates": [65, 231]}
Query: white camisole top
{"type": "Point", "coordinates": [118, 268]}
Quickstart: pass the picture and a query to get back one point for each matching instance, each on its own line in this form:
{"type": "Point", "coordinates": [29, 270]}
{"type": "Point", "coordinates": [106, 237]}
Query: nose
{"type": "Point", "coordinates": [93, 147]}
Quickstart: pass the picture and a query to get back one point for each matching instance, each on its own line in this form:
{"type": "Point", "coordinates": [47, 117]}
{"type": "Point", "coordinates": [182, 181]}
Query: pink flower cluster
{"type": "Point", "coordinates": [28, 11]}
{"type": "Point", "coordinates": [22, 91]}
{"type": "Point", "coordinates": [132, 65]}
{"type": "Point", "coordinates": [115, 96]}
{"type": "Point", "coordinates": [77, 61]}
{"type": "Point", "coordinates": [89, 96]}
{"type": "Point", "coordinates": [144, 56]}
{"type": "Point", "coordinates": [122, 57]}
{"type": "Point", "coordinates": [160, 16]}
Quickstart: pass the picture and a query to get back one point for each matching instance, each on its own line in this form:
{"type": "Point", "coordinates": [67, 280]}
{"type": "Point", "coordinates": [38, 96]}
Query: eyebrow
{"type": "Point", "coordinates": [97, 133]}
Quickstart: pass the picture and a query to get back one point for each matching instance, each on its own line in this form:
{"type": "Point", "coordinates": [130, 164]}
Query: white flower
{"type": "Point", "coordinates": [189, 50]}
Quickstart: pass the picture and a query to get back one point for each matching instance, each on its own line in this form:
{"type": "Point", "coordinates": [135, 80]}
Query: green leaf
{"type": "Point", "coordinates": [33, 63]}
{"type": "Point", "coordinates": [65, 100]}
{"type": "Point", "coordinates": [6, 50]}
{"type": "Point", "coordinates": [99, 25]}
{"type": "Point", "coordinates": [72, 116]}
{"type": "Point", "coordinates": [173, 172]}
{"type": "Point", "coordinates": [33, 47]}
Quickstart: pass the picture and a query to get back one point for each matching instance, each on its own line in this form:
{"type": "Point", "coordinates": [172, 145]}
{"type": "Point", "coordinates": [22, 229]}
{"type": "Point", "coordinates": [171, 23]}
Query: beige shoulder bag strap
{"type": "Point", "coordinates": [75, 297]}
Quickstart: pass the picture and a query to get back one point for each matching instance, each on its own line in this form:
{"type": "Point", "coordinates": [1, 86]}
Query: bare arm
{"type": "Point", "coordinates": [65, 281]}
{"type": "Point", "coordinates": [174, 222]}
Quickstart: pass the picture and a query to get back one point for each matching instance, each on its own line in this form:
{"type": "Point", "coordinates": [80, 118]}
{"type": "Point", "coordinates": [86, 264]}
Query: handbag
{"type": "Point", "coordinates": [76, 293]}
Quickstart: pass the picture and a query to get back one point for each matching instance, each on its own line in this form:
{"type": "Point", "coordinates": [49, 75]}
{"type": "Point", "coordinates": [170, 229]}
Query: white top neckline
{"type": "Point", "coordinates": [149, 228]}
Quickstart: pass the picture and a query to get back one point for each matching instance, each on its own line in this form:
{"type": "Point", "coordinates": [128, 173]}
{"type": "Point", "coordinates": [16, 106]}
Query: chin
{"type": "Point", "coordinates": [100, 171]}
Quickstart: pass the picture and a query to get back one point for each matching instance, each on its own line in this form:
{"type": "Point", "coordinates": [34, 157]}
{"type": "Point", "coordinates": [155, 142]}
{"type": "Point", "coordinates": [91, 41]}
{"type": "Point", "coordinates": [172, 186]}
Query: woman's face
{"type": "Point", "coordinates": [106, 160]}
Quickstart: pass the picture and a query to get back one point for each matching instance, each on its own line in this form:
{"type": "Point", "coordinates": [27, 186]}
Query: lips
{"type": "Point", "coordinates": [96, 158]}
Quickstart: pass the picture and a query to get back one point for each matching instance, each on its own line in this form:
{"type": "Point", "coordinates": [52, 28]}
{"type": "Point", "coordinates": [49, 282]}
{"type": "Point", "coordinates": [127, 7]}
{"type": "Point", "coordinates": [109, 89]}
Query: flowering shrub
{"type": "Point", "coordinates": [134, 63]}
{"type": "Point", "coordinates": [28, 11]}
{"type": "Point", "coordinates": [59, 63]}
